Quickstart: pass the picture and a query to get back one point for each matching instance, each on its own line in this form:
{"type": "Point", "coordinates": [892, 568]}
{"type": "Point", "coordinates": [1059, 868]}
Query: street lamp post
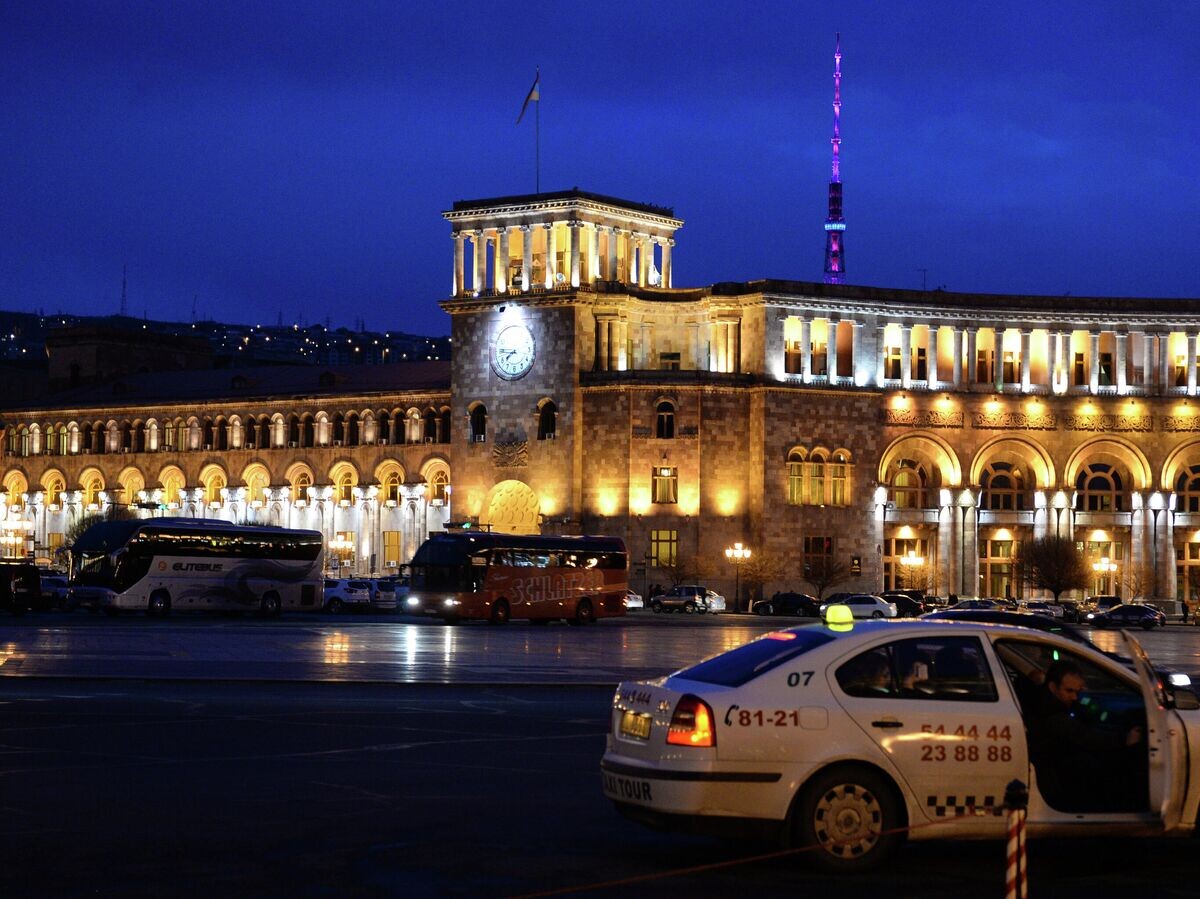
{"type": "Point", "coordinates": [737, 554]}
{"type": "Point", "coordinates": [1156, 507]}
{"type": "Point", "coordinates": [1104, 568]}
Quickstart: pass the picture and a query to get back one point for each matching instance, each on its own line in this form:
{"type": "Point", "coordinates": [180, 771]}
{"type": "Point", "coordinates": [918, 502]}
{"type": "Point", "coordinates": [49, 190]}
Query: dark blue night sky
{"type": "Point", "coordinates": [292, 159]}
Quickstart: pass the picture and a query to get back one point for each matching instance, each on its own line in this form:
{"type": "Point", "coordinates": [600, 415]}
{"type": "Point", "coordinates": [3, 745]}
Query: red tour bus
{"type": "Point", "coordinates": [494, 577]}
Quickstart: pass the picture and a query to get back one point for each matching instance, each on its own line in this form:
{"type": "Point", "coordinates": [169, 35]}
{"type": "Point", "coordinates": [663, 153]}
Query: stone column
{"type": "Point", "coordinates": [621, 356]}
{"type": "Point", "coordinates": [479, 239]}
{"type": "Point", "coordinates": [459, 240]}
{"type": "Point", "coordinates": [666, 262]}
{"type": "Point", "coordinates": [956, 349]}
{"type": "Point", "coordinates": [612, 274]}
{"type": "Point", "coordinates": [573, 233]}
{"type": "Point", "coordinates": [831, 368]}
{"type": "Point", "coordinates": [593, 273]}
{"type": "Point", "coordinates": [1149, 373]}
{"type": "Point", "coordinates": [602, 341]}
{"type": "Point", "coordinates": [1026, 359]}
{"type": "Point", "coordinates": [855, 349]}
{"type": "Point", "coordinates": [1094, 363]}
{"type": "Point", "coordinates": [931, 356]}
{"type": "Point", "coordinates": [1120, 362]}
{"type": "Point", "coordinates": [500, 269]}
{"type": "Point", "coordinates": [1059, 352]}
{"type": "Point", "coordinates": [880, 355]}
{"type": "Point", "coordinates": [972, 358]}
{"type": "Point", "coordinates": [1165, 381]}
{"type": "Point", "coordinates": [1192, 348]}
{"type": "Point", "coordinates": [550, 273]}
{"type": "Point", "coordinates": [946, 555]}
{"type": "Point", "coordinates": [645, 251]}
{"type": "Point", "coordinates": [905, 355]}
{"type": "Point", "coordinates": [736, 360]}
{"type": "Point", "coordinates": [805, 351]}
{"type": "Point", "coordinates": [526, 257]}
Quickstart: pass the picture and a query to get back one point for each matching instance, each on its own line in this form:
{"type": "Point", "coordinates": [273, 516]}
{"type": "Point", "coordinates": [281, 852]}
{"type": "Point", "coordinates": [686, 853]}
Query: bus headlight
{"type": "Point", "coordinates": [448, 603]}
{"type": "Point", "coordinates": [412, 601]}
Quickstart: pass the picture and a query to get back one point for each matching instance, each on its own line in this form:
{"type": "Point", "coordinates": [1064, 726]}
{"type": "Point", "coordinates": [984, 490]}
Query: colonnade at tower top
{"type": "Point", "coordinates": [540, 242]}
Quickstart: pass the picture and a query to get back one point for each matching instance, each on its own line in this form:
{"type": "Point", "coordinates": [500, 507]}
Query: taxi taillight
{"type": "Point", "coordinates": [692, 723]}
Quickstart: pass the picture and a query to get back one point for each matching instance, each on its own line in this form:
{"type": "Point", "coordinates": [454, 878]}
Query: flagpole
{"type": "Point", "coordinates": [537, 142]}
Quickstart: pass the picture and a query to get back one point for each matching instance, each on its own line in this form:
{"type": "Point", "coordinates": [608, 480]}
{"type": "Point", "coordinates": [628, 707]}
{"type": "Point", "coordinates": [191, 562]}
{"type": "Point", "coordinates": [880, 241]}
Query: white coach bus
{"type": "Point", "coordinates": [164, 564]}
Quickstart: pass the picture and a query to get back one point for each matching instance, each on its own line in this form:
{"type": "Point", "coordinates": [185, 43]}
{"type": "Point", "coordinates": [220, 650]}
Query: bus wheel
{"type": "Point", "coordinates": [499, 612]}
{"type": "Point", "coordinates": [270, 605]}
{"type": "Point", "coordinates": [584, 614]}
{"type": "Point", "coordinates": [160, 604]}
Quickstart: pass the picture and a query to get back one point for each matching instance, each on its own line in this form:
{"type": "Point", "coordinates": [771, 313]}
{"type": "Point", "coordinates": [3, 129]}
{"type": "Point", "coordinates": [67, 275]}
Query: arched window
{"type": "Point", "coordinates": [54, 488]}
{"type": "Point", "coordinates": [1187, 490]}
{"type": "Point", "coordinates": [478, 423]}
{"type": "Point", "coordinates": [816, 479]}
{"type": "Point", "coordinates": [444, 431]}
{"type": "Point", "coordinates": [64, 441]}
{"type": "Point", "coordinates": [412, 426]}
{"type": "Point", "coordinates": [1003, 487]}
{"type": "Point", "coordinates": [256, 486]}
{"type": "Point", "coordinates": [172, 487]}
{"type": "Point", "coordinates": [307, 431]}
{"type": "Point", "coordinates": [139, 437]}
{"type": "Point", "coordinates": [391, 487]}
{"type": "Point", "coordinates": [1099, 489]}
{"type": "Point", "coordinates": [213, 488]}
{"type": "Point", "coordinates": [907, 488]}
{"type": "Point", "coordinates": [293, 430]}
{"type": "Point", "coordinates": [839, 479]}
{"type": "Point", "coordinates": [221, 434]}
{"type": "Point", "coordinates": [352, 429]}
{"type": "Point", "coordinates": [664, 425]}
{"type": "Point", "coordinates": [300, 485]}
{"type": "Point", "coordinates": [339, 429]}
{"type": "Point", "coordinates": [547, 420]}
{"type": "Point", "coordinates": [385, 427]}
{"type": "Point", "coordinates": [795, 472]}
{"type": "Point", "coordinates": [431, 426]}
{"type": "Point", "coordinates": [439, 485]}
{"type": "Point", "coordinates": [92, 488]}
{"type": "Point", "coordinates": [50, 441]}
{"type": "Point", "coordinates": [206, 434]}
{"type": "Point", "coordinates": [264, 432]}
{"type": "Point", "coordinates": [126, 443]}
{"type": "Point", "coordinates": [345, 487]}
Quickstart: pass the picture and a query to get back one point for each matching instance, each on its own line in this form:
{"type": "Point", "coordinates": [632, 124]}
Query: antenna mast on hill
{"type": "Point", "coordinates": [835, 225]}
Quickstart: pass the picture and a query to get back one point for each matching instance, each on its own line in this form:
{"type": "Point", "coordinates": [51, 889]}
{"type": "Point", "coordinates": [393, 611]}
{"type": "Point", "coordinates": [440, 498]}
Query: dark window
{"type": "Point", "coordinates": [664, 427]}
{"type": "Point", "coordinates": [547, 420]}
{"type": "Point", "coordinates": [940, 668]}
{"type": "Point", "coordinates": [736, 667]}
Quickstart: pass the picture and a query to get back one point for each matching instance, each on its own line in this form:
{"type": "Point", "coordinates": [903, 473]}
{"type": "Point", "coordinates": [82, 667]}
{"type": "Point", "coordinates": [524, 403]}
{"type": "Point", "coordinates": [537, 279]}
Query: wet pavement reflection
{"type": "Point", "coordinates": [394, 650]}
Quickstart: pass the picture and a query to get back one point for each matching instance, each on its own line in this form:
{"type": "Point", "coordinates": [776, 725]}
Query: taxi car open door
{"type": "Point", "coordinates": [1166, 740]}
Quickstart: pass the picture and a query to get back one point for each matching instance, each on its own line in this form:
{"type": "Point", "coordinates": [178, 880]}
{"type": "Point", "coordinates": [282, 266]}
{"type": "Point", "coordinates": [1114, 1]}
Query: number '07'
{"type": "Point", "coordinates": [799, 678]}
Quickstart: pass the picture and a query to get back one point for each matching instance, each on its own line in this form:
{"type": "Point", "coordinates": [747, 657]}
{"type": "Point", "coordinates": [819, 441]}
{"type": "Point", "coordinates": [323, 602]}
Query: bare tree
{"type": "Point", "coordinates": [114, 513]}
{"type": "Point", "coordinates": [823, 572]}
{"type": "Point", "coordinates": [1053, 563]}
{"type": "Point", "coordinates": [917, 577]}
{"type": "Point", "coordinates": [759, 569]}
{"type": "Point", "coordinates": [1139, 580]}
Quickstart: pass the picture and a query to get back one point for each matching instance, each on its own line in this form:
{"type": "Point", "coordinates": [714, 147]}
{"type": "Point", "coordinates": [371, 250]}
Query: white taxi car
{"type": "Point", "coordinates": [844, 737]}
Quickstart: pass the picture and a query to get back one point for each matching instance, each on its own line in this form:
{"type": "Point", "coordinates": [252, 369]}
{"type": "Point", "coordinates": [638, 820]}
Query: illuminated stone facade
{"type": "Point", "coordinates": [915, 436]}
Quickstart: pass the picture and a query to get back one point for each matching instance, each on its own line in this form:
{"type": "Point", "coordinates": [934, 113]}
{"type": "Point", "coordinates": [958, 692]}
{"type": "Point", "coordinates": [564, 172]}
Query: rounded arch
{"type": "Point", "coordinates": [172, 482]}
{"type": "Point", "coordinates": [344, 477]}
{"type": "Point", "coordinates": [389, 474]}
{"type": "Point", "coordinates": [214, 479]}
{"type": "Point", "coordinates": [132, 482]}
{"type": "Point", "coordinates": [1181, 458]}
{"type": "Point", "coordinates": [256, 479]}
{"type": "Point", "coordinates": [300, 478]}
{"type": "Point", "coordinates": [1016, 450]}
{"type": "Point", "coordinates": [436, 472]}
{"type": "Point", "coordinates": [1110, 450]}
{"type": "Point", "coordinates": [926, 447]}
{"type": "Point", "coordinates": [511, 507]}
{"type": "Point", "coordinates": [91, 480]}
{"type": "Point", "coordinates": [54, 482]}
{"type": "Point", "coordinates": [15, 484]}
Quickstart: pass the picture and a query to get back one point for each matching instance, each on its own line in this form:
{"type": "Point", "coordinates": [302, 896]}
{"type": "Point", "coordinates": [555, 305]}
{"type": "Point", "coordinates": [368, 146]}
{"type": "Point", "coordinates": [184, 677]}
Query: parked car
{"type": "Point", "coordinates": [633, 601]}
{"type": "Point", "coordinates": [54, 589]}
{"type": "Point", "coordinates": [976, 604]}
{"type": "Point", "coordinates": [1133, 614]}
{"type": "Point", "coordinates": [386, 595]}
{"type": "Point", "coordinates": [799, 604]}
{"type": "Point", "coordinates": [865, 605]}
{"type": "Point", "coordinates": [1039, 607]}
{"type": "Point", "coordinates": [345, 593]}
{"type": "Point", "coordinates": [1072, 610]}
{"type": "Point", "coordinates": [688, 598]}
{"type": "Point", "coordinates": [20, 588]}
{"type": "Point", "coordinates": [1102, 602]}
{"type": "Point", "coordinates": [909, 603]}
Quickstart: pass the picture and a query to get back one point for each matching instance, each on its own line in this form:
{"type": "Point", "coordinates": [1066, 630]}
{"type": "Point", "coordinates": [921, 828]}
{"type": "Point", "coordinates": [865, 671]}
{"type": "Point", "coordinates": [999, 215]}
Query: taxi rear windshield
{"type": "Point", "coordinates": [736, 667]}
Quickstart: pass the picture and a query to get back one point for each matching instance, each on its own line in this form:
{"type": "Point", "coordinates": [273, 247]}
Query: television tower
{"type": "Point", "coordinates": [835, 225]}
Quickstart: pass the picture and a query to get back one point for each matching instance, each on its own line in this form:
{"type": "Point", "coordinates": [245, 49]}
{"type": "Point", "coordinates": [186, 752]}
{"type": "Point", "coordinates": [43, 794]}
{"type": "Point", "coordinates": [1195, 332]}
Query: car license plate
{"type": "Point", "coordinates": [635, 724]}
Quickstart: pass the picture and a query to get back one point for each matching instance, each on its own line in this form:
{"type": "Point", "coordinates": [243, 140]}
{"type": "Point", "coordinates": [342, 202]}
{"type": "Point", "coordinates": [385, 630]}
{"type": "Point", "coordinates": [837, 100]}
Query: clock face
{"type": "Point", "coordinates": [514, 351]}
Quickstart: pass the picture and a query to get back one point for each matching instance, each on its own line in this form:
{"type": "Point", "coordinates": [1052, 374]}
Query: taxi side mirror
{"type": "Point", "coordinates": [1185, 700]}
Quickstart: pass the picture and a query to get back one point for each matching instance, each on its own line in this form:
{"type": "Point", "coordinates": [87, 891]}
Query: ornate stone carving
{"type": "Point", "coordinates": [642, 432]}
{"type": "Point", "coordinates": [923, 418]}
{"type": "Point", "coordinates": [1016, 421]}
{"type": "Point", "coordinates": [1109, 423]}
{"type": "Point", "coordinates": [510, 455]}
{"type": "Point", "coordinates": [1180, 422]}
{"type": "Point", "coordinates": [690, 431]}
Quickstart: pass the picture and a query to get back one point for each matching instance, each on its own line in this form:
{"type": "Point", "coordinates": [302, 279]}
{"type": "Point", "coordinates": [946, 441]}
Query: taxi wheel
{"type": "Point", "coordinates": [850, 815]}
{"type": "Point", "coordinates": [499, 613]}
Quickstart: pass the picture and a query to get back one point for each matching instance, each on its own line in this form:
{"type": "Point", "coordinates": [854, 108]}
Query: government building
{"type": "Point", "coordinates": [911, 438]}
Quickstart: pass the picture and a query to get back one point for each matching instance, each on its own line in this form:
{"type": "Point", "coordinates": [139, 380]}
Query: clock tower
{"type": "Point", "coordinates": [532, 279]}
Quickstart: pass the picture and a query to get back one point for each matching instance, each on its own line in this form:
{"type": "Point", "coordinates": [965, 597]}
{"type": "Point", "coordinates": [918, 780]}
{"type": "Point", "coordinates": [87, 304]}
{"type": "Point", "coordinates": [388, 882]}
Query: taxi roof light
{"type": "Point", "coordinates": [839, 614]}
{"type": "Point", "coordinates": [691, 723]}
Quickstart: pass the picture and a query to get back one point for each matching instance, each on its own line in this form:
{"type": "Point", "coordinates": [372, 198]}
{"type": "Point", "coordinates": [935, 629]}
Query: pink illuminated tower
{"type": "Point", "coordinates": [835, 225]}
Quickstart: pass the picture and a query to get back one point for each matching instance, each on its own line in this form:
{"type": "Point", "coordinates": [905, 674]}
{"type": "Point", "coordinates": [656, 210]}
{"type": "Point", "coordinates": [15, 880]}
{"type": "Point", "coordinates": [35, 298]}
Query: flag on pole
{"type": "Point", "coordinates": [532, 96]}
